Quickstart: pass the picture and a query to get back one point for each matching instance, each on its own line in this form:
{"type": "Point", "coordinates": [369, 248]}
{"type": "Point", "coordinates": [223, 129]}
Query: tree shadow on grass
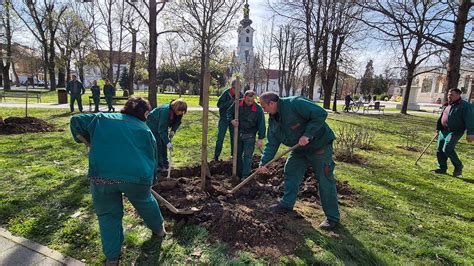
{"type": "Point", "coordinates": [340, 243]}
{"type": "Point", "coordinates": [150, 251]}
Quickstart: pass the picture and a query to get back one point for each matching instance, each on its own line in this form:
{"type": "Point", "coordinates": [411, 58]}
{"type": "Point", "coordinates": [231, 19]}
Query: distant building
{"type": "Point", "coordinates": [119, 59]}
{"type": "Point", "coordinates": [430, 85]}
{"type": "Point", "coordinates": [26, 62]}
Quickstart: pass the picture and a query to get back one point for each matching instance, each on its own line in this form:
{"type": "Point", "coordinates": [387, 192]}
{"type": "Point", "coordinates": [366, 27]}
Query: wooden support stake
{"type": "Point", "coordinates": [236, 129]}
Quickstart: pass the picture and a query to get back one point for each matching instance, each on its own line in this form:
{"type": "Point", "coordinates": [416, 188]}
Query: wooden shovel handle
{"type": "Point", "coordinates": [250, 177]}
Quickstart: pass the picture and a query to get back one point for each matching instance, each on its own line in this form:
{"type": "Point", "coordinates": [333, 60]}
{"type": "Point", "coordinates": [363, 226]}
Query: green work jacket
{"type": "Point", "coordinates": [122, 146]}
{"type": "Point", "coordinates": [251, 119]}
{"type": "Point", "coordinates": [296, 117]}
{"type": "Point", "coordinates": [95, 90]}
{"type": "Point", "coordinates": [461, 118]}
{"type": "Point", "coordinates": [109, 90]}
{"type": "Point", "coordinates": [75, 87]}
{"type": "Point", "coordinates": [225, 101]}
{"type": "Point", "coordinates": [162, 118]}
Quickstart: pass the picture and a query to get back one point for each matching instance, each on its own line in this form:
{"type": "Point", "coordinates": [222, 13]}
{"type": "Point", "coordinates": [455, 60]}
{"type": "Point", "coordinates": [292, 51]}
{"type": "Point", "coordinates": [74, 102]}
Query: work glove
{"type": "Point", "coordinates": [169, 146]}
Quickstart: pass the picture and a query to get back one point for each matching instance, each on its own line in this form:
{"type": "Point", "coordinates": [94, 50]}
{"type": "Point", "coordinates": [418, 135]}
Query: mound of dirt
{"type": "Point", "coordinates": [20, 125]}
{"type": "Point", "coordinates": [243, 220]}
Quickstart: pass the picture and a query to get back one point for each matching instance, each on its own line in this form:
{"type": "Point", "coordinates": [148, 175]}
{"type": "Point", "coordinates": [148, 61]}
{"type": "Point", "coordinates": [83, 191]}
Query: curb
{"type": "Point", "coordinates": [40, 249]}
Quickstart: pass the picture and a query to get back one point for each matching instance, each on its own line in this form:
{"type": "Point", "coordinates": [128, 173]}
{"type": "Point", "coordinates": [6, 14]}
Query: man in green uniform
{"type": "Point", "coordinates": [226, 99]}
{"type": "Point", "coordinates": [251, 120]}
{"type": "Point", "coordinates": [457, 117]}
{"type": "Point", "coordinates": [75, 89]}
{"type": "Point", "coordinates": [122, 160]}
{"type": "Point", "coordinates": [109, 92]}
{"type": "Point", "coordinates": [95, 89]}
{"type": "Point", "coordinates": [296, 120]}
{"type": "Point", "coordinates": [162, 118]}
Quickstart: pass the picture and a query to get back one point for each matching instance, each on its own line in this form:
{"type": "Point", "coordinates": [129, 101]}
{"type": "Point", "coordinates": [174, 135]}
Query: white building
{"type": "Point", "coordinates": [429, 86]}
{"type": "Point", "coordinates": [244, 55]}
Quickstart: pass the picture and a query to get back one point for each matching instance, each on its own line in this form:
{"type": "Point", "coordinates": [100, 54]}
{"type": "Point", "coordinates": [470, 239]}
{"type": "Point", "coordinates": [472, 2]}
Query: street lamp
{"type": "Point", "coordinates": [334, 105]}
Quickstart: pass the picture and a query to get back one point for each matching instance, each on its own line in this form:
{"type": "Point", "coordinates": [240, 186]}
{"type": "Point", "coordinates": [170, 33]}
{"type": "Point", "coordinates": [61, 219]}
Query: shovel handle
{"type": "Point", "coordinates": [168, 205]}
{"type": "Point", "coordinates": [250, 177]}
{"type": "Point", "coordinates": [427, 146]}
{"type": "Point", "coordinates": [83, 140]}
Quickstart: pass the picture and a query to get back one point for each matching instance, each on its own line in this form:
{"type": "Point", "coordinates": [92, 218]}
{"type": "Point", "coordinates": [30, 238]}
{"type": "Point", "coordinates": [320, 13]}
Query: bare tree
{"type": "Point", "coordinates": [6, 19]}
{"type": "Point", "coordinates": [42, 19]}
{"type": "Point", "coordinates": [72, 32]}
{"type": "Point", "coordinates": [404, 23]}
{"type": "Point", "coordinates": [206, 21]}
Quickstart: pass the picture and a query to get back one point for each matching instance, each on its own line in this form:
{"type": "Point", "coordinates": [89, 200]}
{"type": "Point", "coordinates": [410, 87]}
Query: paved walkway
{"type": "Point", "coordinates": [20, 251]}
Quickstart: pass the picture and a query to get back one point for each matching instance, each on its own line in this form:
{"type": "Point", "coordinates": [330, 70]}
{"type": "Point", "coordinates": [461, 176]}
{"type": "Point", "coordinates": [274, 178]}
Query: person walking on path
{"type": "Point", "coordinates": [75, 89]}
{"type": "Point", "coordinates": [113, 172]}
{"type": "Point", "coordinates": [251, 120]}
{"type": "Point", "coordinates": [160, 120]}
{"type": "Point", "coordinates": [95, 89]}
{"type": "Point", "coordinates": [226, 99]}
{"type": "Point", "coordinates": [296, 120]}
{"type": "Point", "coordinates": [347, 102]}
{"type": "Point", "coordinates": [456, 117]}
{"type": "Point", "coordinates": [109, 93]}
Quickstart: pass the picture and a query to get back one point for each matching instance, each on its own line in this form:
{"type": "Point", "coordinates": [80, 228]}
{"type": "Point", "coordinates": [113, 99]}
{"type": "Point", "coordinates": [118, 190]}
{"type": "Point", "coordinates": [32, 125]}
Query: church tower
{"type": "Point", "coordinates": [244, 54]}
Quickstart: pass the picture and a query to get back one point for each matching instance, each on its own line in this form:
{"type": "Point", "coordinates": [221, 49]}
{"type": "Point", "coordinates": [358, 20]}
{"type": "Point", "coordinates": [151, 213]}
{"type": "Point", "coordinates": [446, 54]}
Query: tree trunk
{"type": "Point", "coordinates": [17, 79]}
{"type": "Point", "coordinates": [152, 55]}
{"type": "Point", "coordinates": [205, 119]}
{"type": "Point", "coordinates": [6, 76]}
{"type": "Point", "coordinates": [406, 93]}
{"type": "Point", "coordinates": [61, 78]}
{"type": "Point", "coordinates": [457, 44]}
{"type": "Point", "coordinates": [312, 80]}
{"type": "Point", "coordinates": [203, 72]}
{"type": "Point", "coordinates": [52, 64]}
{"type": "Point", "coordinates": [133, 59]}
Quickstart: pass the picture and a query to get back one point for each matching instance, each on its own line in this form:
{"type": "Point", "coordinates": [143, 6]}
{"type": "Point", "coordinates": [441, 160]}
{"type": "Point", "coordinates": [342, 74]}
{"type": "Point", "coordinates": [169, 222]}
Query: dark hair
{"type": "Point", "coordinates": [137, 107]}
{"type": "Point", "coordinates": [249, 93]}
{"type": "Point", "coordinates": [269, 96]}
{"type": "Point", "coordinates": [458, 91]}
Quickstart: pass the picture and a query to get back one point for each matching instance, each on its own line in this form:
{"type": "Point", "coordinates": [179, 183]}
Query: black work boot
{"type": "Point", "coordinates": [457, 172]}
{"type": "Point", "coordinates": [328, 224]}
{"type": "Point", "coordinates": [439, 171]}
{"type": "Point", "coordinates": [112, 262]}
{"type": "Point", "coordinates": [278, 208]}
{"type": "Point", "coordinates": [161, 233]}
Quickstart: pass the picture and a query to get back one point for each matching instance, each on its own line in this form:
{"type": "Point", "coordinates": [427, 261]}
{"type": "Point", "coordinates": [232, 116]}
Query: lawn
{"type": "Point", "coordinates": [52, 97]}
{"type": "Point", "coordinates": [403, 214]}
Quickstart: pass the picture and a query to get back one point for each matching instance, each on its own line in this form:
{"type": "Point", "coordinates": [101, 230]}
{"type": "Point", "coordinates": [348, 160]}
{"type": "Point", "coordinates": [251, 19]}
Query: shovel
{"type": "Point", "coordinates": [250, 177]}
{"type": "Point", "coordinates": [172, 208]}
{"type": "Point", "coordinates": [169, 183]}
{"type": "Point", "coordinates": [427, 146]}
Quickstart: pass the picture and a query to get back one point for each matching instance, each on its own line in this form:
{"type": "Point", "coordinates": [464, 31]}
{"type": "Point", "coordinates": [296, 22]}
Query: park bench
{"type": "Point", "coordinates": [114, 98]}
{"type": "Point", "coordinates": [376, 106]}
{"type": "Point", "coordinates": [21, 94]}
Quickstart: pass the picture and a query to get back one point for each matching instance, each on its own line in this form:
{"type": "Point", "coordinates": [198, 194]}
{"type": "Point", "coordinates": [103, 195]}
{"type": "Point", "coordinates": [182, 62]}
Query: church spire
{"type": "Point", "coordinates": [246, 21]}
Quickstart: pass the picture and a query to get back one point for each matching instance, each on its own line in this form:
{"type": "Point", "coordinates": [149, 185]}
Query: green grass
{"type": "Point", "coordinates": [403, 213]}
{"type": "Point", "coordinates": [52, 97]}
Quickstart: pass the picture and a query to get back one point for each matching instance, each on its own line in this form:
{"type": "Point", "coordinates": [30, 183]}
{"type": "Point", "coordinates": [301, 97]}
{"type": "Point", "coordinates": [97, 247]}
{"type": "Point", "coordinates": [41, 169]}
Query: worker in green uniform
{"type": "Point", "coordinates": [457, 117]}
{"type": "Point", "coordinates": [251, 120]}
{"type": "Point", "coordinates": [109, 92]}
{"type": "Point", "coordinates": [297, 120]}
{"type": "Point", "coordinates": [160, 120]}
{"type": "Point", "coordinates": [122, 160]}
{"type": "Point", "coordinates": [75, 89]}
{"type": "Point", "coordinates": [95, 89]}
{"type": "Point", "coordinates": [226, 99]}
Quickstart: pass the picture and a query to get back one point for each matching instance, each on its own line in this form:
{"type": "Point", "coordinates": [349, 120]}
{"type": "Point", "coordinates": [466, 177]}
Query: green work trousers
{"type": "Point", "coordinates": [109, 101]}
{"type": "Point", "coordinates": [446, 149]}
{"type": "Point", "coordinates": [222, 127]}
{"type": "Point", "coordinates": [96, 99]}
{"type": "Point", "coordinates": [323, 167]}
{"type": "Point", "coordinates": [161, 150]}
{"type": "Point", "coordinates": [73, 98]}
{"type": "Point", "coordinates": [245, 149]}
{"type": "Point", "coordinates": [108, 205]}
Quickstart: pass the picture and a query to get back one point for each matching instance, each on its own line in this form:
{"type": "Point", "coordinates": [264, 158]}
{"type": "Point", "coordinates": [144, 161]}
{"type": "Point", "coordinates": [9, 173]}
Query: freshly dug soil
{"type": "Point", "coordinates": [20, 125]}
{"type": "Point", "coordinates": [243, 220]}
{"type": "Point", "coordinates": [414, 149]}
